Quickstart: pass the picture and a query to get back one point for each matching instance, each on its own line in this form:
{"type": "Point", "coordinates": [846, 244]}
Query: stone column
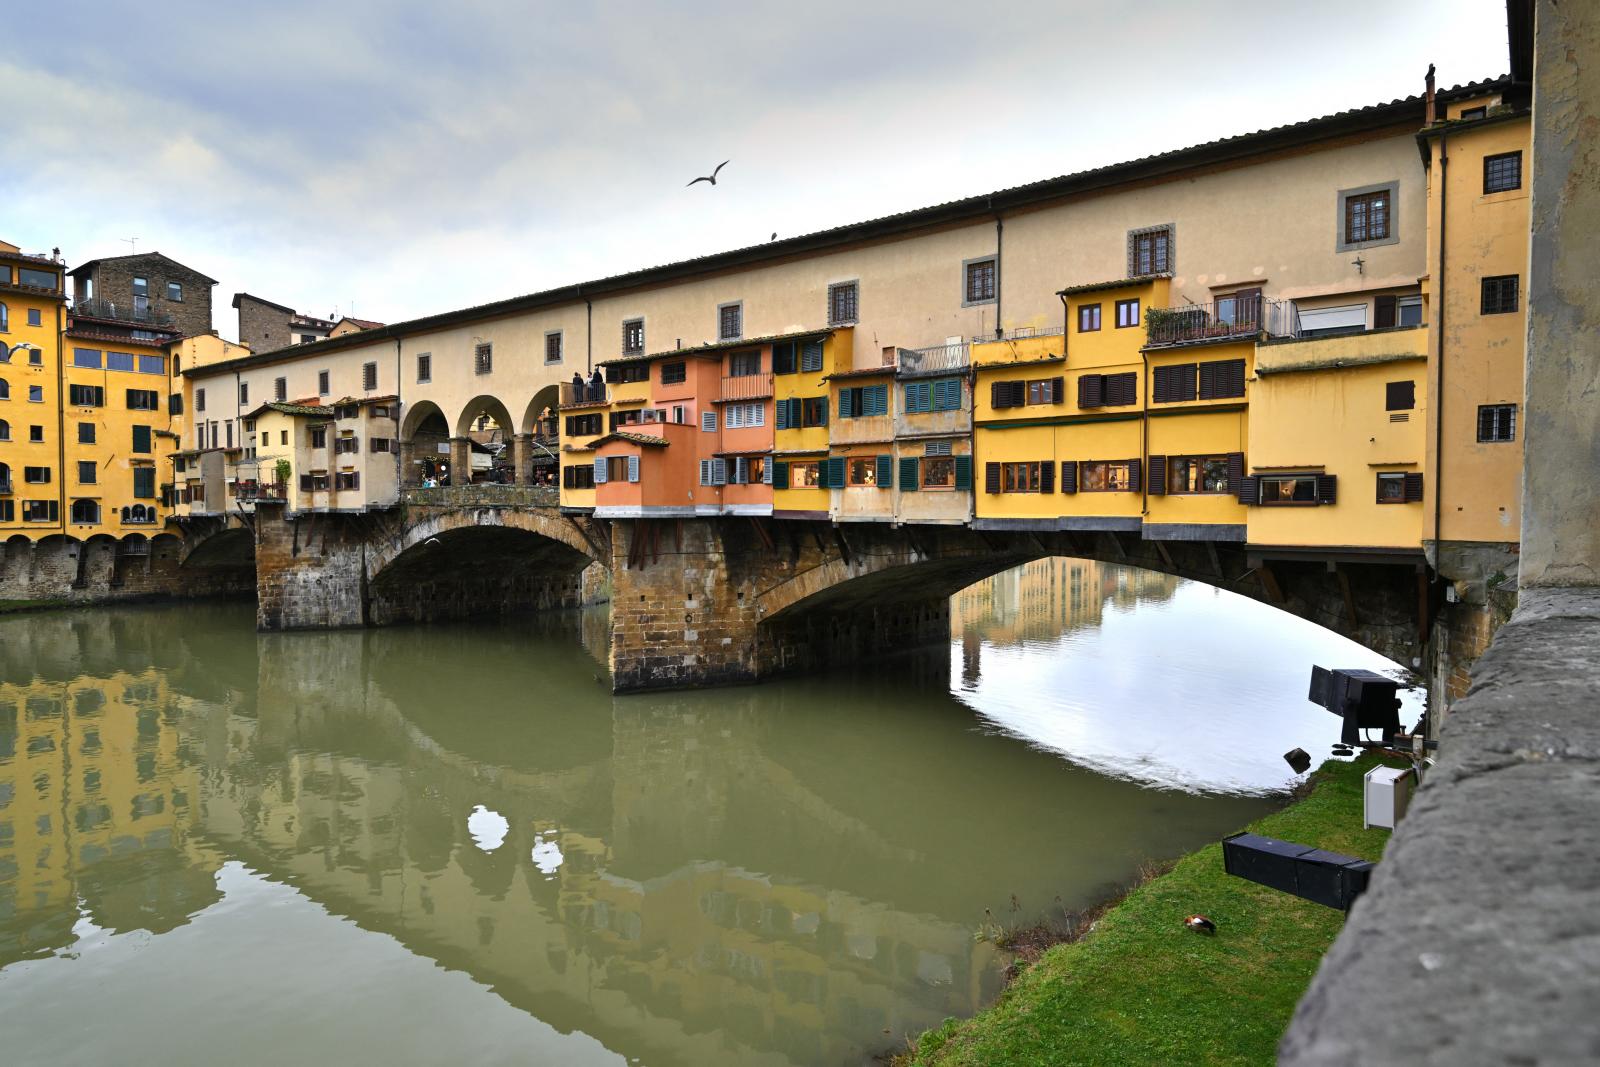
{"type": "Point", "coordinates": [522, 458]}
{"type": "Point", "coordinates": [410, 473]}
{"type": "Point", "coordinates": [1561, 443]}
{"type": "Point", "coordinates": [460, 461]}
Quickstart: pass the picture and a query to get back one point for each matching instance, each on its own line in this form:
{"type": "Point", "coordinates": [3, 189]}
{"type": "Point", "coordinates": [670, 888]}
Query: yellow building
{"type": "Point", "coordinates": [32, 314]}
{"type": "Point", "coordinates": [804, 406]}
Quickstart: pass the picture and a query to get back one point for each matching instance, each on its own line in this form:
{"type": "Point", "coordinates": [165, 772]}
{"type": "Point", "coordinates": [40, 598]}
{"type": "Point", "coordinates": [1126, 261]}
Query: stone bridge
{"type": "Point", "coordinates": [713, 601]}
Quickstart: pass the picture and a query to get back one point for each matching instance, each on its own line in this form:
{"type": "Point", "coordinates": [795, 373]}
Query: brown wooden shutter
{"type": "Point", "coordinates": [1019, 394]}
{"type": "Point", "coordinates": [1183, 381]}
{"type": "Point", "coordinates": [997, 395]}
{"type": "Point", "coordinates": [1136, 474]}
{"type": "Point", "coordinates": [1208, 380]}
{"type": "Point", "coordinates": [1413, 488]}
{"type": "Point", "coordinates": [1250, 490]}
{"type": "Point", "coordinates": [1058, 390]}
{"type": "Point", "coordinates": [1399, 396]}
{"type": "Point", "coordinates": [1327, 488]}
{"type": "Point", "coordinates": [1160, 384]}
{"type": "Point", "coordinates": [991, 477]}
{"type": "Point", "coordinates": [1122, 389]}
{"type": "Point", "coordinates": [1158, 475]}
{"type": "Point", "coordinates": [1384, 312]}
{"type": "Point", "coordinates": [1091, 390]}
{"type": "Point", "coordinates": [1069, 476]}
{"type": "Point", "coordinates": [1235, 472]}
{"type": "Point", "coordinates": [1235, 378]}
{"type": "Point", "coordinates": [1047, 476]}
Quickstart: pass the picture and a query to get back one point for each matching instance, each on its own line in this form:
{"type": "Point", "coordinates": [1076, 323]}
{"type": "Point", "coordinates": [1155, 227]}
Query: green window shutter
{"type": "Point", "coordinates": [796, 407]}
{"type": "Point", "coordinates": [144, 482]}
{"type": "Point", "coordinates": [847, 398]}
{"type": "Point", "coordinates": [875, 400]}
{"type": "Point", "coordinates": [780, 476]}
{"type": "Point", "coordinates": [947, 394]}
{"type": "Point", "coordinates": [824, 419]}
{"type": "Point", "coordinates": [885, 472]}
{"type": "Point", "coordinates": [963, 472]}
{"type": "Point", "coordinates": [811, 356]}
{"type": "Point", "coordinates": [833, 471]}
{"type": "Point", "coordinates": [913, 396]}
{"type": "Point", "coordinates": [908, 473]}
{"type": "Point", "coordinates": [782, 415]}
{"type": "Point", "coordinates": [141, 438]}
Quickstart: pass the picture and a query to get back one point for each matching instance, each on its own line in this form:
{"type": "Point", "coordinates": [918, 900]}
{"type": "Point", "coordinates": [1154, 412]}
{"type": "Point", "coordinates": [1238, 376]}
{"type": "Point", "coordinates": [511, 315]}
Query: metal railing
{"type": "Point", "coordinates": [248, 491]}
{"type": "Point", "coordinates": [1222, 320]}
{"type": "Point", "coordinates": [934, 359]}
{"type": "Point", "coordinates": [746, 386]}
{"type": "Point", "coordinates": [5, 487]}
{"type": "Point", "coordinates": [100, 308]}
{"type": "Point", "coordinates": [573, 394]}
{"type": "Point", "coordinates": [1020, 333]}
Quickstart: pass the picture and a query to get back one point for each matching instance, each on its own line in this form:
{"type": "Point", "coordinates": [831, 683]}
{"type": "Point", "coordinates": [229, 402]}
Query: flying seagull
{"type": "Point", "coordinates": [712, 177]}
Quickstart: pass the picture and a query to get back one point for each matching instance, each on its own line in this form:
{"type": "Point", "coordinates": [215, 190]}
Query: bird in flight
{"type": "Point", "coordinates": [712, 177]}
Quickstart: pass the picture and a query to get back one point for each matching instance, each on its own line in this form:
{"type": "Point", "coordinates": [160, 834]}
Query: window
{"type": "Point", "coordinates": [199, 400]}
{"type": "Point", "coordinates": [35, 317]}
{"type": "Point", "coordinates": [1221, 378]}
{"type": "Point", "coordinates": [322, 383]}
{"type": "Point", "coordinates": [307, 338]}
{"type": "Point", "coordinates": [144, 400]}
{"type": "Point", "coordinates": [633, 337]}
{"type": "Point", "coordinates": [40, 511]}
{"type": "Point", "coordinates": [1391, 488]}
{"type": "Point", "coordinates": [1197, 474]}
{"type": "Point", "coordinates": [36, 435]}
{"type": "Point", "coordinates": [1088, 318]}
{"type": "Point", "coordinates": [1499, 294]}
{"type": "Point", "coordinates": [674, 373]}
{"type": "Point", "coordinates": [811, 356]}
{"type": "Point", "coordinates": [730, 321]}
{"type": "Point", "coordinates": [36, 394]}
{"type": "Point", "coordinates": [347, 444]}
{"type": "Point", "coordinates": [708, 421]}
{"type": "Point", "coordinates": [623, 373]}
{"type": "Point", "coordinates": [713, 472]}
{"type": "Point", "coordinates": [783, 358]}
{"type": "Point", "coordinates": [35, 357]}
{"type": "Point", "coordinates": [5, 430]}
{"type": "Point", "coordinates": [86, 357]}
{"type": "Point", "coordinates": [1497, 423]}
{"type": "Point", "coordinates": [842, 303]}
{"type": "Point", "coordinates": [813, 411]}
{"type": "Point", "coordinates": [1399, 396]}
{"type": "Point", "coordinates": [152, 364]}
{"type": "Point", "coordinates": [380, 444]}
{"type": "Point", "coordinates": [1408, 311]}
{"type": "Point", "coordinates": [863, 400]}
{"type": "Point", "coordinates": [1104, 476]}
{"type": "Point", "coordinates": [175, 291]}
{"type": "Point", "coordinates": [1474, 112]}
{"type": "Point", "coordinates": [1288, 489]}
{"type": "Point", "coordinates": [863, 471]}
{"type": "Point", "coordinates": [174, 403]}
{"type": "Point", "coordinates": [347, 480]}
{"type": "Point", "coordinates": [578, 477]}
{"type": "Point", "coordinates": [141, 438]}
{"type": "Point", "coordinates": [319, 437]}
{"type": "Point", "coordinates": [583, 425]}
{"type": "Point", "coordinates": [806, 474]}
{"type": "Point", "coordinates": [38, 279]}
{"type": "Point", "coordinates": [552, 346]}
{"type": "Point", "coordinates": [1046, 391]}
{"type": "Point", "coordinates": [141, 297]}
{"type": "Point", "coordinates": [1023, 477]}
{"type": "Point", "coordinates": [119, 361]}
{"type": "Point", "coordinates": [425, 367]}
{"type": "Point", "coordinates": [938, 472]}
{"type": "Point", "coordinates": [86, 396]}
{"type": "Point", "coordinates": [5, 322]}
{"type": "Point", "coordinates": [1173, 384]}
{"type": "Point", "coordinates": [5, 387]}
{"type": "Point", "coordinates": [1127, 313]}
{"type": "Point", "coordinates": [743, 416]}
{"type": "Point", "coordinates": [1502, 172]}
{"type": "Point", "coordinates": [483, 358]}
{"type": "Point", "coordinates": [369, 376]}
{"type": "Point", "coordinates": [280, 389]}
{"type": "Point", "coordinates": [1367, 217]}
{"type": "Point", "coordinates": [744, 364]}
{"type": "Point", "coordinates": [36, 475]}
{"type": "Point", "coordinates": [1150, 251]}
{"type": "Point", "coordinates": [85, 511]}
{"type": "Point", "coordinates": [315, 482]}
{"type": "Point", "coordinates": [980, 281]}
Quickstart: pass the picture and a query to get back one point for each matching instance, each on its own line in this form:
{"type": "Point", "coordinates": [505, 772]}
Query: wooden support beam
{"type": "Point", "coordinates": [1349, 600]}
{"type": "Point", "coordinates": [1269, 582]}
{"type": "Point", "coordinates": [1216, 560]}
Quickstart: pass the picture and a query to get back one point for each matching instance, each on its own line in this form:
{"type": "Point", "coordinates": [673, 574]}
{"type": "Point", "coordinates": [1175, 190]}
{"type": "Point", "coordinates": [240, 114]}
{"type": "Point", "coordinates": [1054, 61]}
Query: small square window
{"type": "Point", "coordinates": [35, 317]}
{"type": "Point", "coordinates": [1497, 423]}
{"type": "Point", "coordinates": [842, 303]}
{"type": "Point", "coordinates": [1502, 172]}
{"type": "Point", "coordinates": [552, 347]}
{"type": "Point", "coordinates": [175, 292]}
{"type": "Point", "coordinates": [1392, 488]}
{"type": "Point", "coordinates": [1499, 294]}
{"type": "Point", "coordinates": [730, 322]}
{"type": "Point", "coordinates": [1150, 252]}
{"type": "Point", "coordinates": [1088, 318]}
{"type": "Point", "coordinates": [1367, 217]}
{"type": "Point", "coordinates": [633, 337]}
{"type": "Point", "coordinates": [1127, 313]}
{"type": "Point", "coordinates": [425, 367]}
{"type": "Point", "coordinates": [1400, 396]}
{"type": "Point", "coordinates": [980, 281]}
{"type": "Point", "coordinates": [483, 358]}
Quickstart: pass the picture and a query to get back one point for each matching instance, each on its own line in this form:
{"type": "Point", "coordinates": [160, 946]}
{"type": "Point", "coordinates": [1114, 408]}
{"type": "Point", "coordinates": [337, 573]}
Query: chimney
{"type": "Point", "coordinates": [1429, 115]}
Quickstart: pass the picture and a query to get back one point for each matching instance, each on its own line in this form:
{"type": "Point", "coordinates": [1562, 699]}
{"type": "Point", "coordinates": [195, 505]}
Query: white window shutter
{"type": "Point", "coordinates": [766, 470]}
{"type": "Point", "coordinates": [719, 472]}
{"type": "Point", "coordinates": [705, 472]}
{"type": "Point", "coordinates": [599, 470]}
{"type": "Point", "coordinates": [760, 413]}
{"type": "Point", "coordinates": [708, 421]}
{"type": "Point", "coordinates": [633, 468]}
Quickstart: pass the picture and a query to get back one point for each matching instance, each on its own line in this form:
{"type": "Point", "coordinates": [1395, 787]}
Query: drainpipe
{"type": "Point", "coordinates": [588, 334]}
{"type": "Point", "coordinates": [1065, 315]}
{"type": "Point", "coordinates": [1144, 437]}
{"type": "Point", "coordinates": [400, 414]}
{"type": "Point", "coordinates": [999, 272]}
{"type": "Point", "coordinates": [61, 407]}
{"type": "Point", "coordinates": [1438, 372]}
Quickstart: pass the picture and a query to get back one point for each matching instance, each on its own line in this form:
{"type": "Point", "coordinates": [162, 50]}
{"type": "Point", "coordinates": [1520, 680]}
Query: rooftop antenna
{"type": "Point", "coordinates": [133, 245]}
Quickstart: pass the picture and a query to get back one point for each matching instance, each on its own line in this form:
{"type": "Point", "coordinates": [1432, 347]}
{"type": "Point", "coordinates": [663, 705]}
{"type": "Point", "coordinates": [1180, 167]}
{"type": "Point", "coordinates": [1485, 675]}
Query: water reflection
{"type": "Point", "coordinates": [789, 873]}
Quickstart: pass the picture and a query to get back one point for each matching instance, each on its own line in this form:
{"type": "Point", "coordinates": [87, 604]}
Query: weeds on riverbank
{"type": "Point", "coordinates": [1132, 985]}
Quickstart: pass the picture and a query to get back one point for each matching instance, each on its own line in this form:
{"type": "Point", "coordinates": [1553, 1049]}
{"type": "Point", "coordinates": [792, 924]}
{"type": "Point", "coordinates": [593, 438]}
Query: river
{"type": "Point", "coordinates": [451, 843]}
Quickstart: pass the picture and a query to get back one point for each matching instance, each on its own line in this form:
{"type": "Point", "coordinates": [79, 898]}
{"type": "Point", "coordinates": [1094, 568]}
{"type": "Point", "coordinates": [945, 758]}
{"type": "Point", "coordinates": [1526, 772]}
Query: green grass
{"type": "Point", "coordinates": [1141, 988]}
{"type": "Point", "coordinates": [11, 607]}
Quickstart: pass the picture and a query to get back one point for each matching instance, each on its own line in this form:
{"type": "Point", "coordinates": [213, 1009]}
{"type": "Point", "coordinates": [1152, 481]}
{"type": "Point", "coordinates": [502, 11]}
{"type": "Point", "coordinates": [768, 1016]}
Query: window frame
{"type": "Point", "coordinates": [1490, 172]}
{"type": "Point", "coordinates": [926, 463]}
{"type": "Point", "coordinates": [323, 383]}
{"type": "Point", "coordinates": [630, 326]}
{"type": "Point", "coordinates": [1132, 302]}
{"type": "Point", "coordinates": [731, 312]}
{"type": "Point", "coordinates": [853, 464]}
{"type": "Point", "coordinates": [1125, 466]}
{"type": "Point", "coordinates": [1188, 462]}
{"type": "Point", "coordinates": [483, 358]}
{"type": "Point", "coordinates": [1029, 471]}
{"type": "Point", "coordinates": [559, 337]}
{"type": "Point", "coordinates": [1137, 237]}
{"type": "Point", "coordinates": [992, 261]}
{"type": "Point", "coordinates": [1494, 411]}
{"type": "Point", "coordinates": [1083, 314]}
{"type": "Point", "coordinates": [1390, 478]}
{"type": "Point", "coordinates": [1497, 285]}
{"type": "Point", "coordinates": [680, 368]}
{"type": "Point", "coordinates": [835, 291]}
{"type": "Point", "coordinates": [1261, 491]}
{"type": "Point", "coordinates": [175, 292]}
{"type": "Point", "coordinates": [424, 367]}
{"type": "Point", "coordinates": [1390, 192]}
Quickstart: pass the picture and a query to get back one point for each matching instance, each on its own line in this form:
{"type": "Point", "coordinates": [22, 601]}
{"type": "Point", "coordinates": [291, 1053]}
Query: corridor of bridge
{"type": "Point", "coordinates": [489, 440]}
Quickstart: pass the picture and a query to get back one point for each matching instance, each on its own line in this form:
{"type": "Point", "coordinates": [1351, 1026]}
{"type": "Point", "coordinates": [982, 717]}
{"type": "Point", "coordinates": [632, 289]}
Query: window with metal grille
{"type": "Point", "coordinates": [633, 336]}
{"type": "Point", "coordinates": [552, 347]}
{"type": "Point", "coordinates": [1149, 252]}
{"type": "Point", "coordinates": [280, 389]}
{"type": "Point", "coordinates": [1502, 172]}
{"type": "Point", "coordinates": [842, 303]}
{"type": "Point", "coordinates": [674, 373]}
{"type": "Point", "coordinates": [1499, 294]}
{"type": "Point", "coordinates": [1497, 422]}
{"type": "Point", "coordinates": [483, 358]}
{"type": "Point", "coordinates": [980, 280]}
{"type": "Point", "coordinates": [425, 367]}
{"type": "Point", "coordinates": [322, 383]}
{"type": "Point", "coordinates": [730, 322]}
{"type": "Point", "coordinates": [1366, 217]}
{"type": "Point", "coordinates": [369, 376]}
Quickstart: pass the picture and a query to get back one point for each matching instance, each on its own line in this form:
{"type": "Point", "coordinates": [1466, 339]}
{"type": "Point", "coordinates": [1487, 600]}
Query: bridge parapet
{"type": "Point", "coordinates": [488, 495]}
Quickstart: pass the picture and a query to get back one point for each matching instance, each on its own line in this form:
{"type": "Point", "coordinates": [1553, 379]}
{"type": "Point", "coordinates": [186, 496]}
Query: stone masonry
{"type": "Point", "coordinates": [113, 281]}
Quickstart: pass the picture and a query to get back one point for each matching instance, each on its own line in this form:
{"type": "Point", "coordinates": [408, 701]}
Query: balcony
{"type": "Point", "coordinates": [1230, 319]}
{"type": "Point", "coordinates": [250, 491]}
{"type": "Point", "coordinates": [939, 359]}
{"type": "Point", "coordinates": [746, 387]}
{"type": "Point", "coordinates": [574, 395]}
{"type": "Point", "coordinates": [99, 308]}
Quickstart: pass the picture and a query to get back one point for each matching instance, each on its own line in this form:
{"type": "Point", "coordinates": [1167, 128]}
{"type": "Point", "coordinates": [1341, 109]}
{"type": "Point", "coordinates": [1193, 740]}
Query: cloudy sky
{"type": "Point", "coordinates": [406, 157]}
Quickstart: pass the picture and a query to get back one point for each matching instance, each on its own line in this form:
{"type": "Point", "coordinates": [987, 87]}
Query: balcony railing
{"type": "Point", "coordinates": [573, 394]}
{"type": "Point", "coordinates": [933, 360]}
{"type": "Point", "coordinates": [5, 487]}
{"type": "Point", "coordinates": [1020, 333]}
{"type": "Point", "coordinates": [746, 386]}
{"type": "Point", "coordinates": [250, 491]}
{"type": "Point", "coordinates": [100, 308]}
{"type": "Point", "coordinates": [1232, 319]}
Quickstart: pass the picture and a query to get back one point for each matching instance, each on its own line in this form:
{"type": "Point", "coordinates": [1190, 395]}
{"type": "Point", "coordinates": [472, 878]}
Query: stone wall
{"type": "Point", "coordinates": [101, 571]}
{"type": "Point", "coordinates": [113, 280]}
{"type": "Point", "coordinates": [262, 326]}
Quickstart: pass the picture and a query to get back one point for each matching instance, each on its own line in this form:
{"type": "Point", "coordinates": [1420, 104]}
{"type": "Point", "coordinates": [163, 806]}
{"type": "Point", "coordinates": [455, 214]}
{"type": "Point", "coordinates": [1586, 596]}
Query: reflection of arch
{"type": "Point", "coordinates": [484, 405]}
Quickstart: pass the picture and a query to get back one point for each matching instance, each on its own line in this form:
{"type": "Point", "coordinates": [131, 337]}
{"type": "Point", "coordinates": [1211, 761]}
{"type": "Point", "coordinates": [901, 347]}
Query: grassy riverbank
{"type": "Point", "coordinates": [1141, 988]}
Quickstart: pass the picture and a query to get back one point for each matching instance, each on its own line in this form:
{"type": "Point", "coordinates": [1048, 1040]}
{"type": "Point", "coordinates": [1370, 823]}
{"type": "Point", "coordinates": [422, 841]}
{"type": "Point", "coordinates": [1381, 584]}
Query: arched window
{"type": "Point", "coordinates": [140, 513]}
{"type": "Point", "coordinates": [85, 511]}
{"type": "Point", "coordinates": [126, 514]}
{"type": "Point", "coordinates": [5, 430]}
{"type": "Point", "coordinates": [5, 386]}
{"type": "Point", "coordinates": [5, 477]}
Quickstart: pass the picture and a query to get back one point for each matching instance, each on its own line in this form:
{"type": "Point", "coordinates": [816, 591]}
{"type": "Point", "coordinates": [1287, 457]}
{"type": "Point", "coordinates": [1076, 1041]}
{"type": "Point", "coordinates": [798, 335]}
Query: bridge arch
{"type": "Point", "coordinates": [480, 412]}
{"type": "Point", "coordinates": [424, 441]}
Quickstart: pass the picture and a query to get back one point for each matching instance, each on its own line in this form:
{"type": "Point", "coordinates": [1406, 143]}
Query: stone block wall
{"type": "Point", "coordinates": [95, 572]}
{"type": "Point", "coordinates": [113, 280]}
{"type": "Point", "coordinates": [262, 326]}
